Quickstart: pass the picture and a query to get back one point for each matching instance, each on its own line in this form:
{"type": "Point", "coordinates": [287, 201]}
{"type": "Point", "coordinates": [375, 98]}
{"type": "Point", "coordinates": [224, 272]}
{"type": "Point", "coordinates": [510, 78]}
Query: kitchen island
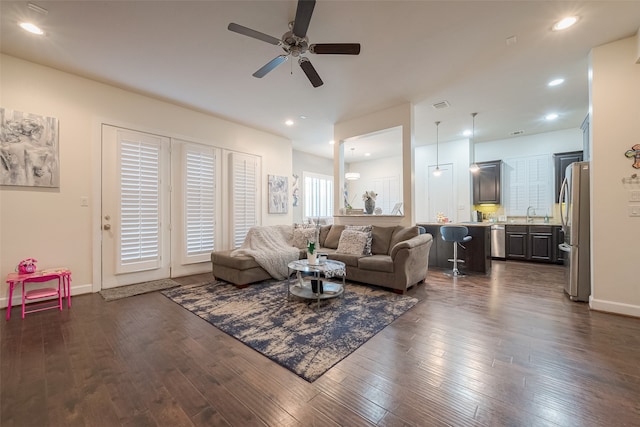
{"type": "Point", "coordinates": [476, 254]}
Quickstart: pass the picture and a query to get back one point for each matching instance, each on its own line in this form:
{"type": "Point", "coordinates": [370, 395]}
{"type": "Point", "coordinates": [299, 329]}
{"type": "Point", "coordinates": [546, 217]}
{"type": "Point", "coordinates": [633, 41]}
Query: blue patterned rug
{"type": "Point", "coordinates": [299, 336]}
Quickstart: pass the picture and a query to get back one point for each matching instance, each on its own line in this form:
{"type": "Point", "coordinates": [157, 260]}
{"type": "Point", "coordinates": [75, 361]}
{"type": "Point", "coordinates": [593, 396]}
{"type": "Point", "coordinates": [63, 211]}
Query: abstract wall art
{"type": "Point", "coordinates": [29, 154]}
{"type": "Point", "coordinates": [278, 194]}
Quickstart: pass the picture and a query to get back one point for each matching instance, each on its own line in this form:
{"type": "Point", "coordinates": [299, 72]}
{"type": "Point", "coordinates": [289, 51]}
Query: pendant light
{"type": "Point", "coordinates": [352, 176]}
{"type": "Point", "coordinates": [474, 166]}
{"type": "Point", "coordinates": [437, 171]}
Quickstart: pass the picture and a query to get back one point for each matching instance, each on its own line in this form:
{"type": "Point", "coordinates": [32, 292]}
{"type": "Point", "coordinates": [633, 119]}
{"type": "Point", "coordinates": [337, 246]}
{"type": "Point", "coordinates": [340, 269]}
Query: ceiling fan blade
{"type": "Point", "coordinates": [237, 28]}
{"type": "Point", "coordinates": [303, 17]}
{"type": "Point", "coordinates": [270, 66]}
{"type": "Point", "coordinates": [311, 72]}
{"type": "Point", "coordinates": [335, 48]}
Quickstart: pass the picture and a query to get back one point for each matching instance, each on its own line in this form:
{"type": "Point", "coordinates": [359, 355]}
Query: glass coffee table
{"type": "Point", "coordinates": [325, 272]}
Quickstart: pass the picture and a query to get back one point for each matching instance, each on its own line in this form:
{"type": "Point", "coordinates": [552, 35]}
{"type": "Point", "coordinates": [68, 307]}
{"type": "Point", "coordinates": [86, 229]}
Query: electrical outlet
{"type": "Point", "coordinates": [634, 210]}
{"type": "Point", "coordinates": [634, 195]}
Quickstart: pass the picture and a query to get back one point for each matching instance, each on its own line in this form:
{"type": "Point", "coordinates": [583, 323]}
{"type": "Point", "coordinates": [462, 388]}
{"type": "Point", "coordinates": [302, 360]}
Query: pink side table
{"type": "Point", "coordinates": [63, 275]}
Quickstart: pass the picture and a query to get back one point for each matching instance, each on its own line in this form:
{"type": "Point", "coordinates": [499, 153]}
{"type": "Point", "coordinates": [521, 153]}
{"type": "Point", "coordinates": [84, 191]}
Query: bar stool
{"type": "Point", "coordinates": [457, 234]}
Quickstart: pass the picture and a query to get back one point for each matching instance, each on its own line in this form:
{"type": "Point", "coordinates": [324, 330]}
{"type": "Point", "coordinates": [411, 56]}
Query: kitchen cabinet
{"type": "Point", "coordinates": [560, 162]}
{"type": "Point", "coordinates": [476, 253]}
{"type": "Point", "coordinates": [533, 243]}
{"type": "Point", "coordinates": [486, 183]}
{"type": "Point", "coordinates": [516, 245]}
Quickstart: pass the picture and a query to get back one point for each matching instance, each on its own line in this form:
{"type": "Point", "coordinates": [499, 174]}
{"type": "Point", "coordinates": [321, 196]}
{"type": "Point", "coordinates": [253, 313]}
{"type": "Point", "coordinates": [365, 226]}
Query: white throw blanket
{"type": "Point", "coordinates": [271, 248]}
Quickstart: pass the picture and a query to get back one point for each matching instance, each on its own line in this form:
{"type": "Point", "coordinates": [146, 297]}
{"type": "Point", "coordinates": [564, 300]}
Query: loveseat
{"type": "Point", "coordinates": [398, 258]}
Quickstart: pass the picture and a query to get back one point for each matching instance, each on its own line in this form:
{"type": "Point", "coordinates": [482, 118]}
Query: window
{"type": "Point", "coordinates": [244, 195]}
{"type": "Point", "coordinates": [528, 182]}
{"type": "Point", "coordinates": [318, 195]}
{"type": "Point", "coordinates": [139, 179]}
{"type": "Point", "coordinates": [199, 200]}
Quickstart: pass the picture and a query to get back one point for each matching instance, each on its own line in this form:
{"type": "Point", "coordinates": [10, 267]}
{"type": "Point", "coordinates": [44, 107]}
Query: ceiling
{"type": "Point", "coordinates": [422, 52]}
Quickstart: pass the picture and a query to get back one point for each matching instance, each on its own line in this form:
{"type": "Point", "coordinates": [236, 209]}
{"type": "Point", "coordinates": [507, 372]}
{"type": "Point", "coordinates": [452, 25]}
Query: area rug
{"type": "Point", "coordinates": [137, 289]}
{"type": "Point", "coordinates": [296, 334]}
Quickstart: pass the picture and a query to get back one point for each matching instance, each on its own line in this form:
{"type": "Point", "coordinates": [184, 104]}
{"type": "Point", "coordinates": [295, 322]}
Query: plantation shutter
{"type": "Point", "coordinates": [318, 195]}
{"type": "Point", "coordinates": [528, 183]}
{"type": "Point", "coordinates": [244, 195]}
{"type": "Point", "coordinates": [199, 164]}
{"type": "Point", "coordinates": [139, 175]}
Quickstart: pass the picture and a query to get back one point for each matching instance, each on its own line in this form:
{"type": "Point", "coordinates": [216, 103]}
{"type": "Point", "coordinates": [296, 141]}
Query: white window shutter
{"type": "Point", "coordinates": [244, 195]}
{"type": "Point", "coordinates": [139, 173]}
{"type": "Point", "coordinates": [199, 164]}
{"type": "Point", "coordinates": [318, 195]}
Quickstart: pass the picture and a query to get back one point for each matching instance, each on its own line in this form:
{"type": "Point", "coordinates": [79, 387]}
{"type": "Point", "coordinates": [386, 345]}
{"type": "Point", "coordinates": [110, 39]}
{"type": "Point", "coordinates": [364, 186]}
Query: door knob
{"type": "Point", "coordinates": [107, 226]}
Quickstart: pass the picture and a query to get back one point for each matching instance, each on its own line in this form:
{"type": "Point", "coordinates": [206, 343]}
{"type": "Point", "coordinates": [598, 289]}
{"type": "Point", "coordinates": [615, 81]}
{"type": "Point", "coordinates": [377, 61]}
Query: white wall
{"type": "Point", "coordinates": [305, 162]}
{"type": "Point", "coordinates": [401, 115]}
{"type": "Point", "coordinates": [369, 170]}
{"type": "Point", "coordinates": [456, 153]}
{"type": "Point", "coordinates": [49, 224]}
{"type": "Point", "coordinates": [530, 145]}
{"type": "Point", "coordinates": [615, 237]}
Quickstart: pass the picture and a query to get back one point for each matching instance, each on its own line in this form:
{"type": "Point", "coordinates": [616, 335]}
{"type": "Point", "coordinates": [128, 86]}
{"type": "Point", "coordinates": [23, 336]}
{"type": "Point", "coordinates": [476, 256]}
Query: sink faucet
{"type": "Point", "coordinates": [530, 208]}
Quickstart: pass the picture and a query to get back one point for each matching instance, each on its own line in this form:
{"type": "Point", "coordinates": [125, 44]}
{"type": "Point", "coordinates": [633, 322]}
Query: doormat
{"type": "Point", "coordinates": [137, 289]}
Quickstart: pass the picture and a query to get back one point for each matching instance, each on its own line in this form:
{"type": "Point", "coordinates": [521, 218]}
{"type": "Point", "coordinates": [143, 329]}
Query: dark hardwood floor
{"type": "Point", "coordinates": [502, 350]}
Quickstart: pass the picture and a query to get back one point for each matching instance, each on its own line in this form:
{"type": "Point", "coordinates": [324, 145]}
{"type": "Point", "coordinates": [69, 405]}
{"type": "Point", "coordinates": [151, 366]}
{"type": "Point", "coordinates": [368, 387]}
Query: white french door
{"type": "Point", "coordinates": [135, 207]}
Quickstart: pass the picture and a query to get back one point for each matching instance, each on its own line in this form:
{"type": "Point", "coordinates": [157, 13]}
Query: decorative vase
{"type": "Point", "coordinates": [369, 206]}
{"type": "Point", "coordinates": [312, 258]}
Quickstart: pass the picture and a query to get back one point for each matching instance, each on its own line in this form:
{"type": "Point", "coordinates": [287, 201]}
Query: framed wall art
{"type": "Point", "coordinates": [278, 194]}
{"type": "Point", "coordinates": [29, 153]}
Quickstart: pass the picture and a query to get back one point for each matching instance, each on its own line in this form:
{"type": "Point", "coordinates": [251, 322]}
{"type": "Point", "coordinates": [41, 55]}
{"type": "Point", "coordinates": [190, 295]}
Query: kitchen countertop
{"type": "Point", "coordinates": [487, 224]}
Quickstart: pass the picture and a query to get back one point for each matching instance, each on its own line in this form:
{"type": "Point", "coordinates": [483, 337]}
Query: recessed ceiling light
{"type": "Point", "coordinates": [32, 28]}
{"type": "Point", "coordinates": [551, 116]}
{"type": "Point", "coordinates": [367, 154]}
{"type": "Point", "coordinates": [302, 117]}
{"type": "Point", "coordinates": [332, 142]}
{"type": "Point", "coordinates": [466, 133]}
{"type": "Point", "coordinates": [556, 82]}
{"type": "Point", "coordinates": [565, 23]}
{"type": "Point", "coordinates": [289, 123]}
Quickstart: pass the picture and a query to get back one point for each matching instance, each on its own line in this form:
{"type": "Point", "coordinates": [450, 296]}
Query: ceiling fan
{"type": "Point", "coordinates": [295, 43]}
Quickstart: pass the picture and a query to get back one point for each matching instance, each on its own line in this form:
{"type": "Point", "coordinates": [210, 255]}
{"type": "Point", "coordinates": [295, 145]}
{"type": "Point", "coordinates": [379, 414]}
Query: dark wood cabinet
{"type": "Point", "coordinates": [541, 243]}
{"type": "Point", "coordinates": [533, 243]}
{"type": "Point", "coordinates": [517, 242]}
{"type": "Point", "coordinates": [560, 162]}
{"type": "Point", "coordinates": [486, 183]}
{"type": "Point", "coordinates": [476, 253]}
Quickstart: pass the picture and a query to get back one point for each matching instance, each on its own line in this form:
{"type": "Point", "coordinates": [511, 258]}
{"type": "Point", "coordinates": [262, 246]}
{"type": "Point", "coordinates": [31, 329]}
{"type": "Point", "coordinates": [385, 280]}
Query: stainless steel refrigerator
{"type": "Point", "coordinates": [575, 216]}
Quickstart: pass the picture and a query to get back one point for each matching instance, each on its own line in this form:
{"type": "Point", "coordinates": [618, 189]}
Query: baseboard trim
{"type": "Point", "coordinates": [614, 307]}
{"type": "Point", "coordinates": [17, 294]}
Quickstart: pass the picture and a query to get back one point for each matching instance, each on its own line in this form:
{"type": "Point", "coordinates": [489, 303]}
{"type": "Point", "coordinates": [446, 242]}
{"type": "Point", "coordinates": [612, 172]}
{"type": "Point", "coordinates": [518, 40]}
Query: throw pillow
{"type": "Point", "coordinates": [365, 229]}
{"type": "Point", "coordinates": [333, 237]}
{"type": "Point", "coordinates": [352, 242]}
{"type": "Point", "coordinates": [301, 236]}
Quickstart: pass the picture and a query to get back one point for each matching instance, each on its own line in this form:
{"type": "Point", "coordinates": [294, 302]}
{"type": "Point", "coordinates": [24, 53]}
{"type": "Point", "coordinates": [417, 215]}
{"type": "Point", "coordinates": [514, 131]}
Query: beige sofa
{"type": "Point", "coordinates": [399, 260]}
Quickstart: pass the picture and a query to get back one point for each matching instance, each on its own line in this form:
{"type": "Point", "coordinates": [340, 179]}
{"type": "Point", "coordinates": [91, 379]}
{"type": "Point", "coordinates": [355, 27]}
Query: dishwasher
{"type": "Point", "coordinates": [498, 238]}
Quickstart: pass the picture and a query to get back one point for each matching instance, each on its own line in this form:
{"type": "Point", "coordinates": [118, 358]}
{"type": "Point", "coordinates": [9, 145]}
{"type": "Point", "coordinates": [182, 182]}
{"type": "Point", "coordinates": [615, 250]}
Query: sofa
{"type": "Point", "coordinates": [397, 257]}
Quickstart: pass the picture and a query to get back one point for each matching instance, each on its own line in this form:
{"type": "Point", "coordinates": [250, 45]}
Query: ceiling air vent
{"type": "Point", "coordinates": [516, 132]}
{"type": "Point", "coordinates": [440, 105]}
